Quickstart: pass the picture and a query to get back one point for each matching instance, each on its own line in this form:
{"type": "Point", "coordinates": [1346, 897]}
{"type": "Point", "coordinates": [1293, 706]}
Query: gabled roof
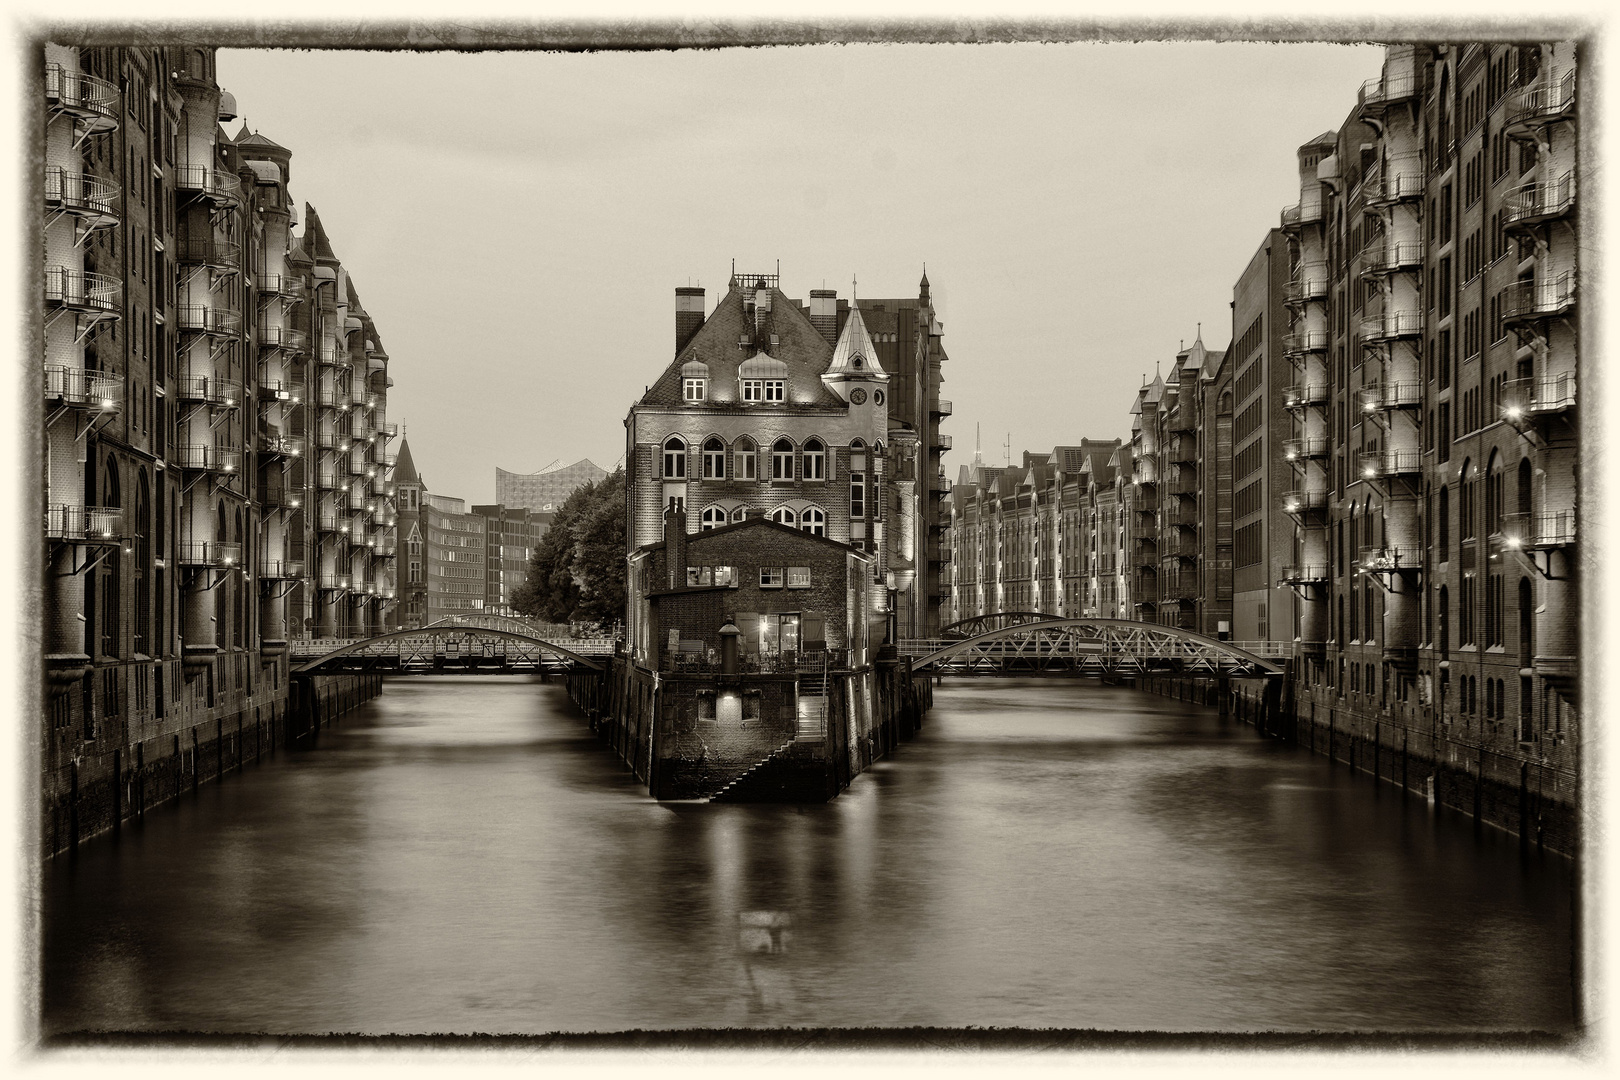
{"type": "Point", "coordinates": [799, 346]}
{"type": "Point", "coordinates": [698, 538]}
{"type": "Point", "coordinates": [1155, 390]}
{"type": "Point", "coordinates": [243, 138]}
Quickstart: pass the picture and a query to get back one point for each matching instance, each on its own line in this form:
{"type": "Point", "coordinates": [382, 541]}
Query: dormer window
{"type": "Point", "coordinates": [763, 378]}
{"type": "Point", "coordinates": [775, 389]}
{"type": "Point", "coordinates": [857, 363]}
{"type": "Point", "coordinates": [753, 390]}
{"type": "Point", "coordinates": [694, 381]}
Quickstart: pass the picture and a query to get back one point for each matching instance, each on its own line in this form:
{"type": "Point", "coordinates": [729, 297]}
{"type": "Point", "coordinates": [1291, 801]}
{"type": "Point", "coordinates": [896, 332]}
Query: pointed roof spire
{"type": "Point", "coordinates": [854, 351]}
{"type": "Point", "coordinates": [404, 466]}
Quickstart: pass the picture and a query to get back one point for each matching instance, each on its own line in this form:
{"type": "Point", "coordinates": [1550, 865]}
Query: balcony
{"type": "Point", "coordinates": [209, 320]}
{"type": "Point", "coordinates": [1391, 325]}
{"type": "Point", "coordinates": [1538, 532]}
{"type": "Point", "coordinates": [1304, 395]}
{"type": "Point", "coordinates": [1534, 204]}
{"type": "Point", "coordinates": [84, 389]}
{"type": "Point", "coordinates": [281, 496]}
{"type": "Point", "coordinates": [1303, 502]}
{"type": "Point", "coordinates": [1309, 282]}
{"type": "Point", "coordinates": [1530, 301]}
{"type": "Point", "coordinates": [212, 553]}
{"type": "Point", "coordinates": [1386, 560]}
{"type": "Point", "coordinates": [1305, 341]}
{"type": "Point", "coordinates": [1373, 464]}
{"type": "Point", "coordinates": [282, 337]}
{"type": "Point", "coordinates": [333, 440]}
{"type": "Point", "coordinates": [1182, 515]}
{"type": "Point", "coordinates": [331, 399]}
{"type": "Point", "coordinates": [82, 291]}
{"type": "Point", "coordinates": [1146, 547]}
{"type": "Point", "coordinates": [1301, 214]}
{"type": "Point", "coordinates": [327, 479]}
{"type": "Point", "coordinates": [219, 393]}
{"type": "Point", "coordinates": [335, 582]}
{"type": "Point", "coordinates": [283, 285]}
{"type": "Point", "coordinates": [1304, 575]}
{"type": "Point", "coordinates": [1300, 450]}
{"type": "Point", "coordinates": [1378, 94]}
{"type": "Point", "coordinates": [332, 521]}
{"type": "Point", "coordinates": [941, 408]}
{"type": "Point", "coordinates": [1527, 399]}
{"type": "Point", "coordinates": [208, 459]}
{"type": "Point", "coordinates": [1386, 256]}
{"type": "Point", "coordinates": [357, 532]}
{"type": "Point", "coordinates": [1146, 502]}
{"type": "Point", "coordinates": [90, 200]}
{"type": "Point", "coordinates": [278, 446]}
{"type": "Point", "coordinates": [388, 431]}
{"type": "Point", "coordinates": [278, 390]}
{"type": "Point", "coordinates": [1384, 396]}
{"type": "Point", "coordinates": [1392, 180]}
{"type": "Point", "coordinates": [211, 183]}
{"type": "Point", "coordinates": [1535, 106]}
{"type": "Point", "coordinates": [329, 355]}
{"type": "Point", "coordinates": [84, 524]}
{"type": "Point", "coordinates": [1185, 483]}
{"type": "Point", "coordinates": [208, 251]}
{"type": "Point", "coordinates": [1183, 451]}
{"type": "Point", "coordinates": [941, 442]}
{"type": "Point", "coordinates": [91, 101]}
{"type": "Point", "coordinates": [280, 569]}
{"type": "Point", "coordinates": [1147, 593]}
{"type": "Point", "coordinates": [1181, 546]}
{"type": "Point", "coordinates": [1173, 590]}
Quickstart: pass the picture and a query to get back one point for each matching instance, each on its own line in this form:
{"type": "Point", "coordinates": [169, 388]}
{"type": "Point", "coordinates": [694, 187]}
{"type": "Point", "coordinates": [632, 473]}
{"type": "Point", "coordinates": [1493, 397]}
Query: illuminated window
{"type": "Point", "coordinates": [753, 390]}
{"type": "Point", "coordinates": [798, 577]}
{"type": "Point", "coordinates": [770, 577]}
{"type": "Point", "coordinates": [784, 515]}
{"type": "Point", "coordinates": [694, 389]}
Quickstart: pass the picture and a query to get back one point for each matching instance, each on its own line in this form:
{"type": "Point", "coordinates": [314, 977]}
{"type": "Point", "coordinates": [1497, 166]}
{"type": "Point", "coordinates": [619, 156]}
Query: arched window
{"type": "Point", "coordinates": [784, 515]}
{"type": "Point", "coordinates": [1493, 495]}
{"type": "Point", "coordinates": [739, 513]}
{"type": "Point", "coordinates": [782, 460]}
{"type": "Point", "coordinates": [1527, 622]}
{"type": "Point", "coordinates": [142, 569]}
{"type": "Point", "coordinates": [1523, 492]}
{"type": "Point", "coordinates": [1444, 522]}
{"type": "Point", "coordinates": [714, 459]}
{"type": "Point", "coordinates": [238, 600]}
{"type": "Point", "coordinates": [108, 591]}
{"type": "Point", "coordinates": [813, 521]}
{"type": "Point", "coordinates": [674, 458]}
{"type": "Point", "coordinates": [1445, 621]}
{"type": "Point", "coordinates": [815, 460]}
{"type": "Point", "coordinates": [713, 517]}
{"type": "Point", "coordinates": [1465, 502]}
{"type": "Point", "coordinates": [745, 465]}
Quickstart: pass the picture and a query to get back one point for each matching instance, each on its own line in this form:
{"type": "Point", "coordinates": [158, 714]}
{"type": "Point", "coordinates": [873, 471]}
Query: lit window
{"type": "Point", "coordinates": [782, 460]}
{"type": "Point", "coordinates": [726, 575]}
{"type": "Point", "coordinates": [700, 575]}
{"type": "Point", "coordinates": [714, 460]}
{"type": "Point", "coordinates": [713, 517]}
{"type": "Point", "coordinates": [694, 389]}
{"type": "Point", "coordinates": [857, 495]}
{"type": "Point", "coordinates": [783, 515]}
{"type": "Point", "coordinates": [815, 460]}
{"type": "Point", "coordinates": [739, 514]}
{"type": "Point", "coordinates": [753, 390]}
{"type": "Point", "coordinates": [813, 521]}
{"type": "Point", "coordinates": [674, 458]}
{"type": "Point", "coordinates": [798, 577]}
{"type": "Point", "coordinates": [770, 577]}
{"type": "Point", "coordinates": [775, 389]}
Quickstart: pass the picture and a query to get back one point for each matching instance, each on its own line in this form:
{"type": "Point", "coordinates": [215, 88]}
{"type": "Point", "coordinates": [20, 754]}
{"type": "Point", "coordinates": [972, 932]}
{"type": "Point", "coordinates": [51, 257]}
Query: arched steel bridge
{"type": "Point", "coordinates": [979, 624]}
{"type": "Point", "coordinates": [490, 644]}
{"type": "Point", "coordinates": [1091, 647]}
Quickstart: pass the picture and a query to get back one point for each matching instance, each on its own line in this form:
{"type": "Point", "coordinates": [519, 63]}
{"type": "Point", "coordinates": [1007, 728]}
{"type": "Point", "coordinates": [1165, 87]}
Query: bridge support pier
{"type": "Point", "coordinates": [1223, 695]}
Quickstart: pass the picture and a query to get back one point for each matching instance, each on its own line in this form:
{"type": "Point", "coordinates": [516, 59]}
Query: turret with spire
{"type": "Point", "coordinates": [855, 364]}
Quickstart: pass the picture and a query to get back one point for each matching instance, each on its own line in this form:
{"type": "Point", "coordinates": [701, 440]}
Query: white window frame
{"type": "Point", "coordinates": [675, 458]}
{"type": "Point", "coordinates": [781, 459]}
{"type": "Point", "coordinates": [771, 577]}
{"type": "Point", "coordinates": [857, 495]}
{"type": "Point", "coordinates": [813, 521]}
{"type": "Point", "coordinates": [815, 461]}
{"type": "Point", "coordinates": [694, 389]}
{"type": "Point", "coordinates": [714, 461]}
{"type": "Point", "coordinates": [785, 515]}
{"type": "Point", "coordinates": [798, 577]}
{"type": "Point", "coordinates": [753, 389]}
{"type": "Point", "coordinates": [718, 513]}
{"type": "Point", "coordinates": [775, 389]}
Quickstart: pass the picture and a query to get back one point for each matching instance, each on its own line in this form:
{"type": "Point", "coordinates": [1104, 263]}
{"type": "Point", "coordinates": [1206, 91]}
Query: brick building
{"type": "Point", "coordinates": [214, 428]}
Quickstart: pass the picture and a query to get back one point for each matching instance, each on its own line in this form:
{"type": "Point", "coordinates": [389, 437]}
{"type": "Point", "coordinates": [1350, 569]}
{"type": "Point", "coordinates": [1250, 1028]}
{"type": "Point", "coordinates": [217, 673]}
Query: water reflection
{"type": "Point", "coordinates": [462, 856]}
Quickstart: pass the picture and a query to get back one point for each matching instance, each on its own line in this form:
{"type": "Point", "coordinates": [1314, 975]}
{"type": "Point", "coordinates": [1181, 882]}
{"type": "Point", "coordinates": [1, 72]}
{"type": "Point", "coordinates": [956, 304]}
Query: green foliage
{"type": "Point", "coordinates": [577, 572]}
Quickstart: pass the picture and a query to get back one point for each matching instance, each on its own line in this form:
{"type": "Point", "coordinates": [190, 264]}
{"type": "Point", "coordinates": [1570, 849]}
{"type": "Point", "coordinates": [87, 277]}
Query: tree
{"type": "Point", "coordinates": [577, 574]}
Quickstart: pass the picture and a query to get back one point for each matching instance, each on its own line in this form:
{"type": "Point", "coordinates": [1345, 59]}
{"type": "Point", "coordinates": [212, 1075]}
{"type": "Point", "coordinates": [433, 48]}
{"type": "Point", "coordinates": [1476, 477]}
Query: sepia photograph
{"type": "Point", "coordinates": [672, 534]}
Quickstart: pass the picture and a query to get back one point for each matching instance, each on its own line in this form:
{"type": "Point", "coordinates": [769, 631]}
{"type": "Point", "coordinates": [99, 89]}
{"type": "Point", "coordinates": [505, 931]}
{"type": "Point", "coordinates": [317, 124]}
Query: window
{"type": "Point", "coordinates": [753, 390]}
{"type": "Point", "coordinates": [694, 389]}
{"type": "Point", "coordinates": [770, 577]}
{"type": "Point", "coordinates": [714, 459]}
{"type": "Point", "coordinates": [727, 576]}
{"type": "Point", "coordinates": [815, 460]}
{"type": "Point", "coordinates": [746, 466]}
{"type": "Point", "coordinates": [699, 575]}
{"type": "Point", "coordinates": [798, 577]}
{"type": "Point", "coordinates": [857, 495]}
{"type": "Point", "coordinates": [775, 389]}
{"type": "Point", "coordinates": [782, 460]}
{"type": "Point", "coordinates": [813, 521]}
{"type": "Point", "coordinates": [713, 517]}
{"type": "Point", "coordinates": [674, 458]}
{"type": "Point", "coordinates": [739, 514]}
{"type": "Point", "coordinates": [784, 515]}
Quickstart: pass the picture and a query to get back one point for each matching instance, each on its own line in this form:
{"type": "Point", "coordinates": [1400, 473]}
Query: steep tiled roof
{"type": "Point", "coordinates": [1155, 390]}
{"type": "Point", "coordinates": [855, 344]}
{"type": "Point", "coordinates": [404, 466]}
{"type": "Point", "coordinates": [799, 345]}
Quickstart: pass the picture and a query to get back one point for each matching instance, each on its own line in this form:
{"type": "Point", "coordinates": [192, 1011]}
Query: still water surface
{"type": "Point", "coordinates": [461, 855]}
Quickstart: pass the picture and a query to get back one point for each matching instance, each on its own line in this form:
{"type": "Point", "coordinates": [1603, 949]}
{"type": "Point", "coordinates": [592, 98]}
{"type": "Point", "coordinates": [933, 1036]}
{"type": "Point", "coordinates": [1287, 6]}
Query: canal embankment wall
{"type": "Point", "coordinates": [1403, 743]}
{"type": "Point", "coordinates": [205, 737]}
{"type": "Point", "coordinates": [754, 737]}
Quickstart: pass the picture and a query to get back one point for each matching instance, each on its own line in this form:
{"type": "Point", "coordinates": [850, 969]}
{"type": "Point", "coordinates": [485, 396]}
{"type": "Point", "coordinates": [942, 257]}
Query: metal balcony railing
{"type": "Point", "coordinates": [85, 389]}
{"type": "Point", "coordinates": [336, 582]}
{"type": "Point", "coordinates": [1384, 255]}
{"type": "Point", "coordinates": [333, 440]}
{"type": "Point", "coordinates": [280, 569]}
{"type": "Point", "coordinates": [388, 431]}
{"type": "Point", "coordinates": [1177, 589]}
{"type": "Point", "coordinates": [1300, 501]}
{"type": "Point", "coordinates": [96, 101]}
{"type": "Point", "coordinates": [1308, 574]}
{"type": "Point", "coordinates": [942, 408]}
{"type": "Point", "coordinates": [208, 320]}
{"type": "Point", "coordinates": [1376, 463]}
{"type": "Point", "coordinates": [1539, 531]}
{"type": "Point", "coordinates": [1547, 395]}
{"type": "Point", "coordinates": [1544, 102]}
{"type": "Point", "coordinates": [1391, 324]}
{"type": "Point", "coordinates": [80, 290]}
{"type": "Point", "coordinates": [1303, 341]}
{"type": "Point", "coordinates": [221, 393]}
{"type": "Point", "coordinates": [942, 441]}
{"type": "Point", "coordinates": [277, 445]}
{"type": "Point", "coordinates": [81, 194]}
{"type": "Point", "coordinates": [202, 458]}
{"type": "Point", "coordinates": [1391, 395]}
{"type": "Point", "coordinates": [208, 251]}
{"type": "Point", "coordinates": [208, 181]}
{"type": "Point", "coordinates": [1304, 449]}
{"type": "Point", "coordinates": [1398, 177]}
{"type": "Point", "coordinates": [1535, 203]}
{"type": "Point", "coordinates": [1183, 451]}
{"type": "Point", "coordinates": [1183, 484]}
{"type": "Point", "coordinates": [283, 337]}
{"type": "Point", "coordinates": [332, 521]}
{"type": "Point", "coordinates": [1181, 514]}
{"type": "Point", "coordinates": [281, 497]}
{"type": "Point", "coordinates": [278, 390]}
{"type": "Point", "coordinates": [1146, 502]}
{"type": "Point", "coordinates": [1302, 213]}
{"type": "Point", "coordinates": [1301, 395]}
{"type": "Point", "coordinates": [328, 479]}
{"type": "Point", "coordinates": [1380, 92]}
{"type": "Point", "coordinates": [1310, 282]}
{"type": "Point", "coordinates": [1527, 301]}
{"type": "Point", "coordinates": [214, 553]}
{"type": "Point", "coordinates": [331, 399]}
{"type": "Point", "coordinates": [97, 523]}
{"type": "Point", "coordinates": [1379, 560]}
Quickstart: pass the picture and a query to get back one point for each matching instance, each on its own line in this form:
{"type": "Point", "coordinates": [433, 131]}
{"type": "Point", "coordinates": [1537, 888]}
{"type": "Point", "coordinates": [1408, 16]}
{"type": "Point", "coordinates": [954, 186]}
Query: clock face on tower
{"type": "Point", "coordinates": [858, 396]}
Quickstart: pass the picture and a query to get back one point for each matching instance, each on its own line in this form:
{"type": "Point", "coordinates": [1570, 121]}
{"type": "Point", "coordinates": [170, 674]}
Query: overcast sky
{"type": "Point", "coordinates": [516, 223]}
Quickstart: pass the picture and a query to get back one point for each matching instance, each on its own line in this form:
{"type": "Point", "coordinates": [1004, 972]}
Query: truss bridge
{"type": "Point", "coordinates": [1030, 643]}
{"type": "Point", "coordinates": [462, 645]}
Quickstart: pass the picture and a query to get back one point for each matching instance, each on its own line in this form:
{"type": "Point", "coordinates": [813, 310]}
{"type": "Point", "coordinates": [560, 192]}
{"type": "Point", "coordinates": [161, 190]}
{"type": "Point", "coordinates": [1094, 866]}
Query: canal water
{"type": "Point", "coordinates": [461, 855]}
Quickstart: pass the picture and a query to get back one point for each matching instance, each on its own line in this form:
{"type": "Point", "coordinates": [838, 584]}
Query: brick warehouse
{"type": "Point", "coordinates": [214, 431]}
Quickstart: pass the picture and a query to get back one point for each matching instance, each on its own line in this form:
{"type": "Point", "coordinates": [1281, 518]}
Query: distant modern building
{"type": "Point", "coordinates": [547, 490]}
{"type": "Point", "coordinates": [510, 536]}
{"type": "Point", "coordinates": [454, 558]}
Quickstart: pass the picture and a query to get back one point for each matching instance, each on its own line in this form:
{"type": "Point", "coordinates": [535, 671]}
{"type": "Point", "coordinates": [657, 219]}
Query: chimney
{"type": "Point", "coordinates": [762, 304]}
{"type": "Point", "coordinates": [675, 543]}
{"type": "Point", "coordinates": [824, 313]}
{"type": "Point", "coordinates": [688, 314]}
